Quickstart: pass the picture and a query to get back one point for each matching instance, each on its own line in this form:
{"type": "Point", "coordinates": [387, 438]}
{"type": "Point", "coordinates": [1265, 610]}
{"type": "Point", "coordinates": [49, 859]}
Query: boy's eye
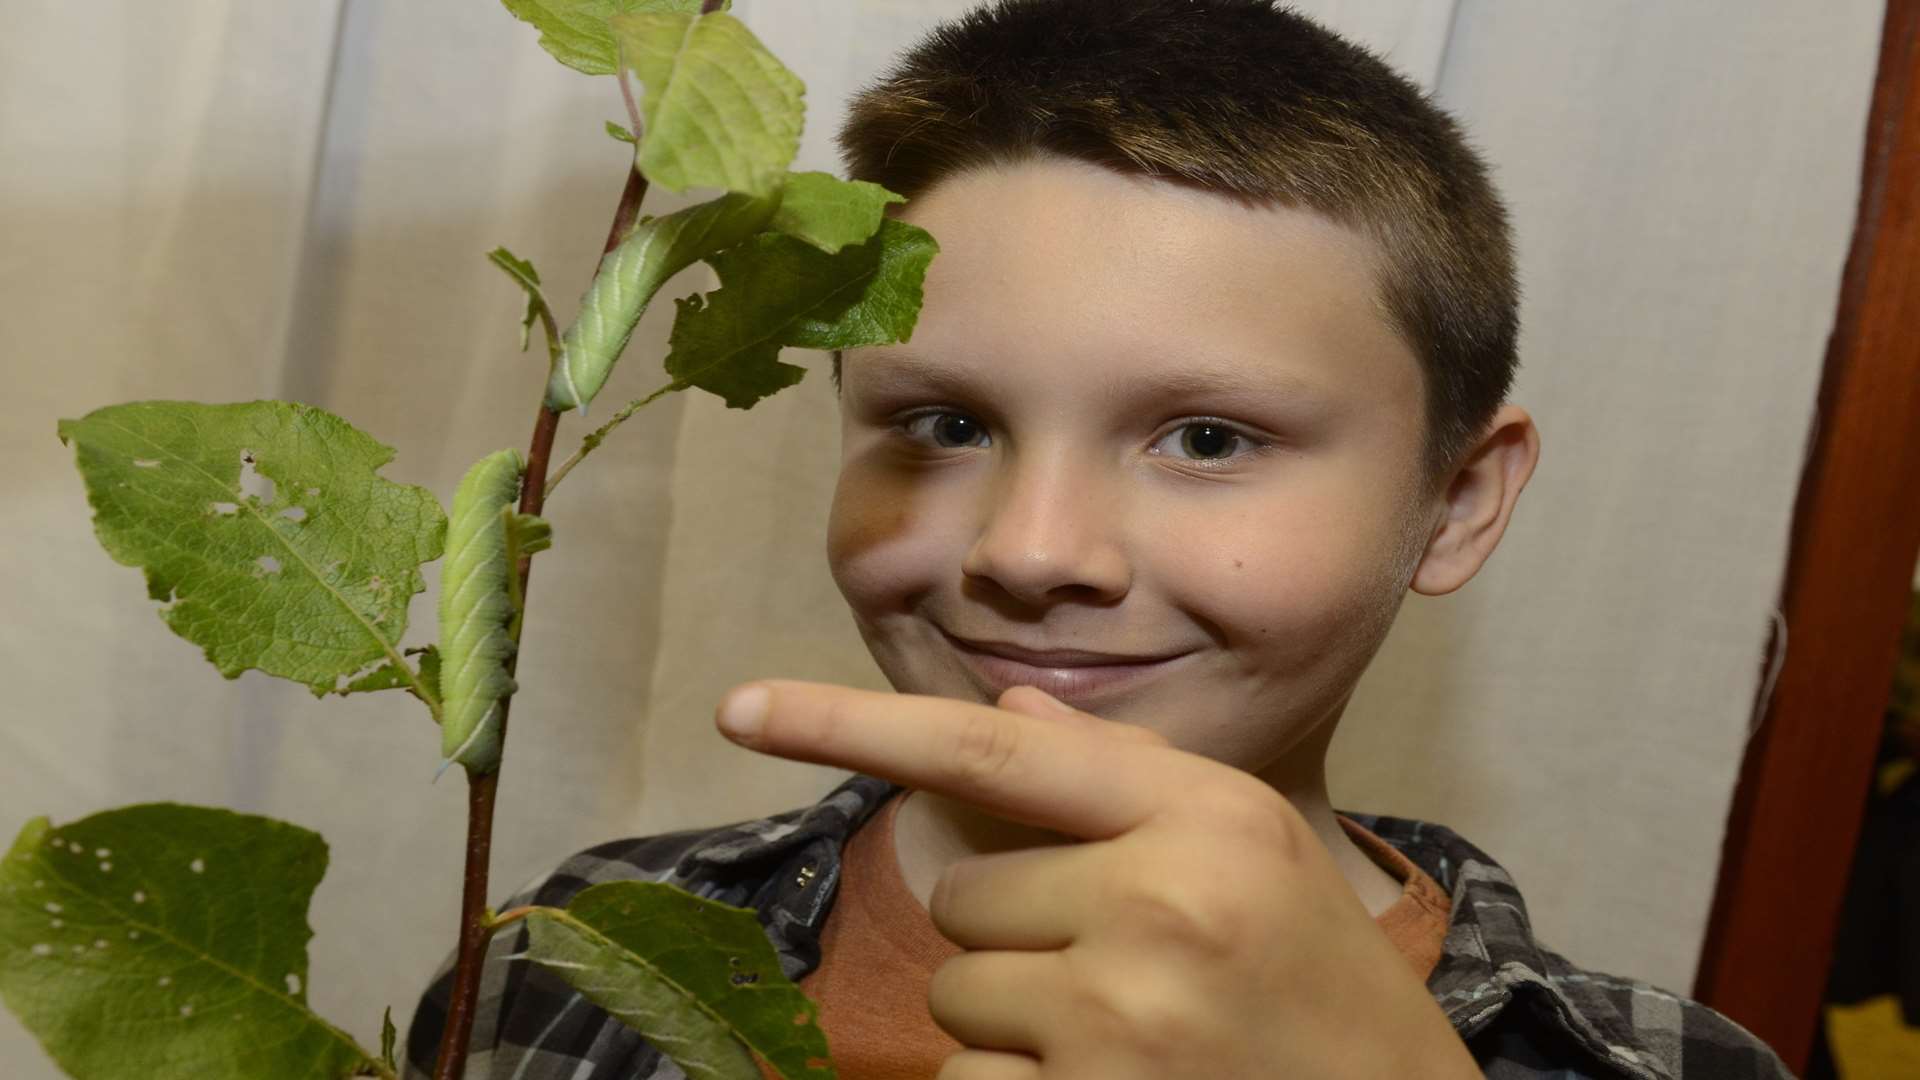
{"type": "Point", "coordinates": [947, 430]}
{"type": "Point", "coordinates": [1204, 440]}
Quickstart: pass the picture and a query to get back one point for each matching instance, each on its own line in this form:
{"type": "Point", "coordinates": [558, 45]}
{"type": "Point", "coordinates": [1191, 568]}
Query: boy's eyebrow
{"type": "Point", "coordinates": [889, 368]}
{"type": "Point", "coordinates": [896, 367]}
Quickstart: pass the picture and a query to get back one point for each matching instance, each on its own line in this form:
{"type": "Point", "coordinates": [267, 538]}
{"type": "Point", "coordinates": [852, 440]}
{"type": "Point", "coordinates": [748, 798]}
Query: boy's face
{"type": "Point", "coordinates": [1139, 421]}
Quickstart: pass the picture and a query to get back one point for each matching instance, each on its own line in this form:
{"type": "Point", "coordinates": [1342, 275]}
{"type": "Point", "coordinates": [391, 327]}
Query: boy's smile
{"type": "Point", "coordinates": [1149, 449]}
{"type": "Point", "coordinates": [1079, 676]}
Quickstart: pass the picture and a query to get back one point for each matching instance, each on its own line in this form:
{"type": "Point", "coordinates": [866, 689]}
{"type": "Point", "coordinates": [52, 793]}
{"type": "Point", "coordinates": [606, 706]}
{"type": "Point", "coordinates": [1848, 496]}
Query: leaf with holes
{"type": "Point", "coordinates": [266, 530]}
{"type": "Point", "coordinates": [388, 676]}
{"type": "Point", "coordinates": [185, 924]}
{"type": "Point", "coordinates": [697, 977]}
{"type": "Point", "coordinates": [777, 291]}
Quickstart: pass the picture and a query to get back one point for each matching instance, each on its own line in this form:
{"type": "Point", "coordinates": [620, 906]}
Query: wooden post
{"type": "Point", "coordinates": [1856, 535]}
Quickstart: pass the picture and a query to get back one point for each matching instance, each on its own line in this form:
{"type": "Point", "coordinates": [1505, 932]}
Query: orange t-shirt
{"type": "Point", "coordinates": [879, 949]}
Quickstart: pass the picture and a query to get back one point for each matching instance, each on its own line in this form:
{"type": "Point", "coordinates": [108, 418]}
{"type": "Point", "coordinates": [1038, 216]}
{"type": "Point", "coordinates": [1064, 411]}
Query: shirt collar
{"type": "Point", "coordinates": [833, 818]}
{"type": "Point", "coordinates": [1491, 960]}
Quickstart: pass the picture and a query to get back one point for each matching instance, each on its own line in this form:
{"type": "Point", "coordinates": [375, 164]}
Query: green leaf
{"type": "Point", "coordinates": [429, 665]}
{"type": "Point", "coordinates": [388, 1037]}
{"type": "Point", "coordinates": [829, 212]}
{"type": "Point", "coordinates": [576, 31]}
{"type": "Point", "coordinates": [697, 977]}
{"type": "Point", "coordinates": [527, 534]}
{"type": "Point", "coordinates": [392, 675]}
{"type": "Point", "coordinates": [629, 275]}
{"type": "Point", "coordinates": [265, 528]}
{"type": "Point", "coordinates": [524, 275]}
{"type": "Point", "coordinates": [718, 109]}
{"type": "Point", "coordinates": [777, 291]}
{"type": "Point", "coordinates": [387, 676]}
{"type": "Point", "coordinates": [168, 942]}
{"type": "Point", "coordinates": [477, 587]}
{"type": "Point", "coordinates": [621, 134]}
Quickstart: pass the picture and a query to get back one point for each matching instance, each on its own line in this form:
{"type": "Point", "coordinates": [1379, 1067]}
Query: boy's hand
{"type": "Point", "coordinates": [1202, 930]}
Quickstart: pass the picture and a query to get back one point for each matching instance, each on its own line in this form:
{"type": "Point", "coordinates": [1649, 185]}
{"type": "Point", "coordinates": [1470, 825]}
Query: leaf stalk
{"type": "Point", "coordinates": [599, 434]}
{"type": "Point", "coordinates": [553, 335]}
{"type": "Point", "coordinates": [511, 915]}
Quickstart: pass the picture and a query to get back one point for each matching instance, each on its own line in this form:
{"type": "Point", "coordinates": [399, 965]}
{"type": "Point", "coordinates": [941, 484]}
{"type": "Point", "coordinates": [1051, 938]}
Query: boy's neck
{"type": "Point", "coordinates": [932, 832]}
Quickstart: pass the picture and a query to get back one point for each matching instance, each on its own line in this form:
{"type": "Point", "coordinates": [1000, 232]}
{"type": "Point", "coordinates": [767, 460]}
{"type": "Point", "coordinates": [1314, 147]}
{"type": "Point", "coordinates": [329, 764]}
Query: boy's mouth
{"type": "Point", "coordinates": [1078, 677]}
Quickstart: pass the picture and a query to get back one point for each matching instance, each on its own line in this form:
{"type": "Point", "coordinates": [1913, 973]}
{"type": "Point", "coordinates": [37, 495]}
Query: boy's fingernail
{"type": "Point", "coordinates": [744, 712]}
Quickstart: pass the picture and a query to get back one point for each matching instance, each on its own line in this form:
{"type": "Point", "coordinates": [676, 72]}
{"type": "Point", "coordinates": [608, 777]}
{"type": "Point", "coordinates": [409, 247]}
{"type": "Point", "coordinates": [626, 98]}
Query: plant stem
{"type": "Point", "coordinates": [451, 1060]}
{"type": "Point", "coordinates": [634, 125]}
{"type": "Point", "coordinates": [600, 433]}
{"type": "Point", "coordinates": [628, 210]}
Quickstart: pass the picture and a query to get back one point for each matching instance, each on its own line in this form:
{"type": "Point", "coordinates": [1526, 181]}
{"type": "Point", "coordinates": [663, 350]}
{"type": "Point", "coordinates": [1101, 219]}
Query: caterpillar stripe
{"type": "Point", "coordinates": [476, 605]}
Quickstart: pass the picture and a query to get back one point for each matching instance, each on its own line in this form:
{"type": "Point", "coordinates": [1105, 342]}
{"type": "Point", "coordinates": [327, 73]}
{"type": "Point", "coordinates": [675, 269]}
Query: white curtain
{"type": "Point", "coordinates": [222, 201]}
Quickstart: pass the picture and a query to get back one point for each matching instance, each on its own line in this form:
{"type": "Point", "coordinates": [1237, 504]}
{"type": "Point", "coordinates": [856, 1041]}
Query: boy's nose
{"type": "Point", "coordinates": [1051, 532]}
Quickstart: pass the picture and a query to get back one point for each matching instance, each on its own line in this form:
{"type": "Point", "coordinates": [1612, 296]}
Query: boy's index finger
{"type": "Point", "coordinates": [1042, 773]}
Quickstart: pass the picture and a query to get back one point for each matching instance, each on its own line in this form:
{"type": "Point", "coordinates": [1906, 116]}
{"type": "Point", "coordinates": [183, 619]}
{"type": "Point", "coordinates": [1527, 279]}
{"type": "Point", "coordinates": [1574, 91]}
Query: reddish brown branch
{"type": "Point", "coordinates": [451, 1060]}
{"type": "Point", "coordinates": [623, 217]}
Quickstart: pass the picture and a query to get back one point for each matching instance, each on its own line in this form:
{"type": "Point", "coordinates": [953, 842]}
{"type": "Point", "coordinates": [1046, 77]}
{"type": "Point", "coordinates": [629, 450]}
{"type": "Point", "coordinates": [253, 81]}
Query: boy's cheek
{"type": "Point", "coordinates": [1285, 604]}
{"type": "Point", "coordinates": [866, 509]}
{"type": "Point", "coordinates": [878, 543]}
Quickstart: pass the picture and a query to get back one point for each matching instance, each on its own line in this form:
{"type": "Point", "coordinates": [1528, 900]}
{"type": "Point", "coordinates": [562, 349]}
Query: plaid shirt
{"type": "Point", "coordinates": [1524, 1011]}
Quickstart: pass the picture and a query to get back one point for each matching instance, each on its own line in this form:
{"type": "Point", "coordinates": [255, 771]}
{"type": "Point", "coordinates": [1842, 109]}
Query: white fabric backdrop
{"type": "Point", "coordinates": [226, 201]}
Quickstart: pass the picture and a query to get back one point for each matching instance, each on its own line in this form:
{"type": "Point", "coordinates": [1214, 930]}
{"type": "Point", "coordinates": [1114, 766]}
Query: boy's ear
{"type": "Point", "coordinates": [1479, 500]}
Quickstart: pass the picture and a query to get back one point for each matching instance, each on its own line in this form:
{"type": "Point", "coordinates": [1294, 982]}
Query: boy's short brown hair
{"type": "Point", "coordinates": [1239, 98]}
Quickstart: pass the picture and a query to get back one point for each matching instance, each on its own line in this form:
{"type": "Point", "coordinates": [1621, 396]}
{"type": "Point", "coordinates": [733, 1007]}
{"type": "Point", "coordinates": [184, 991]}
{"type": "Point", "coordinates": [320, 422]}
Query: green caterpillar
{"type": "Point", "coordinates": [477, 606]}
{"type": "Point", "coordinates": [630, 274]}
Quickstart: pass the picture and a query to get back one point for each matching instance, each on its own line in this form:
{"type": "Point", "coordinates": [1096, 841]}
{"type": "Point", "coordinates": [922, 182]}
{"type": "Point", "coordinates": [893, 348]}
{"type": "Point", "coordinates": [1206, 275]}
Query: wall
{"type": "Point", "coordinates": [230, 201]}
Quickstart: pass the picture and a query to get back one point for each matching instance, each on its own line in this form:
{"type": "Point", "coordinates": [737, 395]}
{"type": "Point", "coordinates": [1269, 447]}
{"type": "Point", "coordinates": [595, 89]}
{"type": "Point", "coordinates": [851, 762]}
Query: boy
{"type": "Point", "coordinates": [1211, 369]}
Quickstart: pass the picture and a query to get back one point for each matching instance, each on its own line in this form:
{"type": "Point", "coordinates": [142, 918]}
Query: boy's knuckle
{"type": "Point", "coordinates": [1120, 1009]}
{"type": "Point", "coordinates": [982, 749]}
{"type": "Point", "coordinates": [950, 985]}
{"type": "Point", "coordinates": [1256, 819]}
{"type": "Point", "coordinates": [1176, 914]}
